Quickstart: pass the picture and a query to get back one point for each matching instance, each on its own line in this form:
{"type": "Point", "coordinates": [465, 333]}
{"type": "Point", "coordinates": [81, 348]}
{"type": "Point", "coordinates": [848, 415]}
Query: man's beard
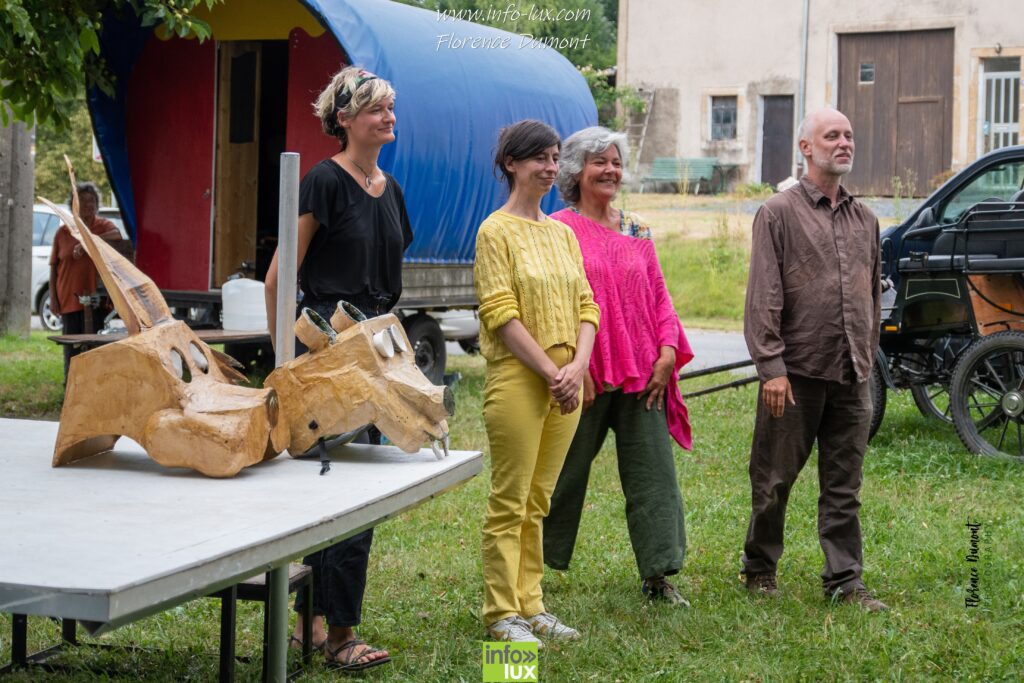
{"type": "Point", "coordinates": [830, 165]}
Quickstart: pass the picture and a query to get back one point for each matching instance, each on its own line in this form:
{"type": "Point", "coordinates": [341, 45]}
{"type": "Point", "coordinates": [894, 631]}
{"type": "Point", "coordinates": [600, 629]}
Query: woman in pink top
{"type": "Point", "coordinates": [632, 385]}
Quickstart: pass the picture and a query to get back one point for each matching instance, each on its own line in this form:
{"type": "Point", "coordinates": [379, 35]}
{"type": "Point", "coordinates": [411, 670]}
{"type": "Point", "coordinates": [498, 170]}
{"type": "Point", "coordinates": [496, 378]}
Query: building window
{"type": "Point", "coordinates": [723, 118]}
{"type": "Point", "coordinates": [1000, 103]}
{"type": "Point", "coordinates": [867, 73]}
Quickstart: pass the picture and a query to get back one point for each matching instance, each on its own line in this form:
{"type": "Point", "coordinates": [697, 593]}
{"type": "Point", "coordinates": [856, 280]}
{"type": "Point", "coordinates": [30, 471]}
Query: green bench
{"type": "Point", "coordinates": [683, 173]}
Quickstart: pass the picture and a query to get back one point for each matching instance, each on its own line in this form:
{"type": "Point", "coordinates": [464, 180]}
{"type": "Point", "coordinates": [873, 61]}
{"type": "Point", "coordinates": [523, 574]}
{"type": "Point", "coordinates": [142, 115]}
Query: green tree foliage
{"type": "Point", "coordinates": [606, 97]}
{"type": "Point", "coordinates": [47, 45]}
{"type": "Point", "coordinates": [75, 140]}
{"type": "Point", "coordinates": [579, 29]}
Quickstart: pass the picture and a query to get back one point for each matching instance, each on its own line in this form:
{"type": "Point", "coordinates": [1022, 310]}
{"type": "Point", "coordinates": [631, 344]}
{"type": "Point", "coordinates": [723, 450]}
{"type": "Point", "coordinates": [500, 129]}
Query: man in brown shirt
{"type": "Point", "coordinates": [811, 325]}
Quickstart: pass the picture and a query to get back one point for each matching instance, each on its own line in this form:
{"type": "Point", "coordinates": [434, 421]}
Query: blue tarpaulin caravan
{"type": "Point", "coordinates": [192, 138]}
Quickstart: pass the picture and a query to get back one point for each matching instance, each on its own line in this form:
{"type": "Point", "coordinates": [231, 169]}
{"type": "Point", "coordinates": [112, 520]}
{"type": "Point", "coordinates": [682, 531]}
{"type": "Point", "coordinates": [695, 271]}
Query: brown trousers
{"type": "Point", "coordinates": [838, 417]}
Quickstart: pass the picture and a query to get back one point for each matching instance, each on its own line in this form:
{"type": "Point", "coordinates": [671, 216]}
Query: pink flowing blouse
{"type": "Point", "coordinates": [637, 316]}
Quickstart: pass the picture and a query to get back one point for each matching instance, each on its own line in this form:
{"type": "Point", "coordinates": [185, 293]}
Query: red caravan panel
{"type": "Point", "coordinates": [311, 63]}
{"type": "Point", "coordinates": [170, 112]}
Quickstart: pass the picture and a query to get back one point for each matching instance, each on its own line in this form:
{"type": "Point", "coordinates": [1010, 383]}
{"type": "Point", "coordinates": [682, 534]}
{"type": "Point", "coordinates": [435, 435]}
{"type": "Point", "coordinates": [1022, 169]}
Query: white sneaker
{"type": "Point", "coordinates": [514, 629]}
{"type": "Point", "coordinates": [548, 625]}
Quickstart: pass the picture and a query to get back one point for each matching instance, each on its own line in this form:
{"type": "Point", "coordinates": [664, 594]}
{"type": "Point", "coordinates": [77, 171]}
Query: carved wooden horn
{"type": "Point", "coordinates": [136, 298]}
{"type": "Point", "coordinates": [313, 331]}
{"type": "Point", "coordinates": [345, 316]}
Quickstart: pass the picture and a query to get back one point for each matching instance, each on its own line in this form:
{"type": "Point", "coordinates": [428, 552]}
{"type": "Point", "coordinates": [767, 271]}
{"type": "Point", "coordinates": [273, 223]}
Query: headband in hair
{"type": "Point", "coordinates": [344, 95]}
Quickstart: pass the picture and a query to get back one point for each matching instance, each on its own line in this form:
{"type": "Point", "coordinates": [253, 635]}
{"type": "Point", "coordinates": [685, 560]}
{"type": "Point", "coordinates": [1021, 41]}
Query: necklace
{"type": "Point", "coordinates": [368, 180]}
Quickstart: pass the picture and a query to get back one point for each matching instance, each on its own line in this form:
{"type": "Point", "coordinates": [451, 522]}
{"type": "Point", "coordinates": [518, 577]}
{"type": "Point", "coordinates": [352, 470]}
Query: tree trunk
{"type": "Point", "coordinates": [16, 174]}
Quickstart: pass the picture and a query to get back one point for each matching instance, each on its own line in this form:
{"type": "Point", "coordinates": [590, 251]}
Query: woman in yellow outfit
{"type": "Point", "coordinates": [537, 325]}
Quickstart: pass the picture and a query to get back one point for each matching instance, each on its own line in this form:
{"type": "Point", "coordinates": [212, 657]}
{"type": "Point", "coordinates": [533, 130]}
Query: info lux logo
{"type": "Point", "coordinates": [508, 662]}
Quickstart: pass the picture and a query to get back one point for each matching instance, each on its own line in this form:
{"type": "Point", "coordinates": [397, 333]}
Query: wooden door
{"type": "Point", "coordinates": [169, 135]}
{"type": "Point", "coordinates": [777, 139]}
{"type": "Point", "coordinates": [924, 114]}
{"type": "Point", "coordinates": [237, 166]}
{"type": "Point", "coordinates": [897, 90]}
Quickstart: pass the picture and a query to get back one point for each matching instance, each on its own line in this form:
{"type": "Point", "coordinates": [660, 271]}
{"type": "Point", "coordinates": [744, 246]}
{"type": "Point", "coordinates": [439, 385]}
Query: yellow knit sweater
{"type": "Point", "coordinates": [531, 271]}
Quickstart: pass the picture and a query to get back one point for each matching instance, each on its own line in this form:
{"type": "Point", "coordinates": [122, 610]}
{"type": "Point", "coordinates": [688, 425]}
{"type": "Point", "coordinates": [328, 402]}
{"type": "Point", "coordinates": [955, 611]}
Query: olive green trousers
{"type": "Point", "coordinates": [654, 504]}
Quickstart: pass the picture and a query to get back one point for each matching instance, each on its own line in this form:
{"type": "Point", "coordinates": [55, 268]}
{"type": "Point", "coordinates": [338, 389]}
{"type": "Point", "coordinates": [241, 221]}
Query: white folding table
{"type": "Point", "coordinates": [117, 537]}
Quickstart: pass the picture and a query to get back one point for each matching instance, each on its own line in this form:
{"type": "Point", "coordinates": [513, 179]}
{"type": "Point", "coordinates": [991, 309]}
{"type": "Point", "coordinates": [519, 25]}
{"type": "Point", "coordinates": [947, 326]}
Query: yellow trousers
{"type": "Point", "coordinates": [529, 438]}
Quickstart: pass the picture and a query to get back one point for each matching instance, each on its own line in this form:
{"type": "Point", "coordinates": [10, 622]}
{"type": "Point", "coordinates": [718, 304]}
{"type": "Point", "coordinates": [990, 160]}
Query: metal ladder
{"type": "Point", "coordinates": [636, 131]}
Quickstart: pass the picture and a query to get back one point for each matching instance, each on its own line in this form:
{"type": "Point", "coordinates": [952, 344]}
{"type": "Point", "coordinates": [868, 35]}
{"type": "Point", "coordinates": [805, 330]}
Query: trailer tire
{"type": "Point", "coordinates": [427, 342]}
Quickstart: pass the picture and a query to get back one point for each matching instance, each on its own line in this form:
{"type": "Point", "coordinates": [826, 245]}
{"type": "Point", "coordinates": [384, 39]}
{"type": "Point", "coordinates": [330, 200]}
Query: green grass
{"type": "Point", "coordinates": [707, 277]}
{"type": "Point", "coordinates": [920, 489]}
{"type": "Point", "coordinates": [31, 377]}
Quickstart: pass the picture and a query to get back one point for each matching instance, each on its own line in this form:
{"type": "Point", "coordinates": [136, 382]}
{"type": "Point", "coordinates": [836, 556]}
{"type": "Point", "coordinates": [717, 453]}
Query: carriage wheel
{"type": "Point", "coordinates": [987, 395]}
{"type": "Point", "coordinates": [876, 387]}
{"type": "Point", "coordinates": [932, 400]}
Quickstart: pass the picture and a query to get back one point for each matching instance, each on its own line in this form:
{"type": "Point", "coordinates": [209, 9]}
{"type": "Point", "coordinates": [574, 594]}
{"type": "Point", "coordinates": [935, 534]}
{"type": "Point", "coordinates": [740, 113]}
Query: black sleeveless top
{"type": "Point", "coordinates": [357, 251]}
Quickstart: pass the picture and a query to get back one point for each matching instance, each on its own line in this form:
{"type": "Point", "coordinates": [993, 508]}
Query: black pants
{"type": "Point", "coordinates": [339, 571]}
{"type": "Point", "coordinates": [838, 417]}
{"type": "Point", "coordinates": [74, 323]}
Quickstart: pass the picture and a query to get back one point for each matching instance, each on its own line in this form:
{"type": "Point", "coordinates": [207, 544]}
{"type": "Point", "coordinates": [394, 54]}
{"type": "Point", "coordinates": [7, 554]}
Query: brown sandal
{"type": "Point", "coordinates": [295, 643]}
{"type": "Point", "coordinates": [350, 662]}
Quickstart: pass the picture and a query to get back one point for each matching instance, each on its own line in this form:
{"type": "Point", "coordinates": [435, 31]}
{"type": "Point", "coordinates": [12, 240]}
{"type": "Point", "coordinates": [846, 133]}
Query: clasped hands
{"type": "Point", "coordinates": [565, 385]}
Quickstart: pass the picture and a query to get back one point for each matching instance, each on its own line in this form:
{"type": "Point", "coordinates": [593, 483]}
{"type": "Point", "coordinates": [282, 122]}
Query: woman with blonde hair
{"type": "Point", "coordinates": [537, 325]}
{"type": "Point", "coordinates": [353, 233]}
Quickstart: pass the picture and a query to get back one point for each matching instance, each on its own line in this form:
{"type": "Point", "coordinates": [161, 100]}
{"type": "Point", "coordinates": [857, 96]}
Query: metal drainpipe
{"type": "Point", "coordinates": [802, 89]}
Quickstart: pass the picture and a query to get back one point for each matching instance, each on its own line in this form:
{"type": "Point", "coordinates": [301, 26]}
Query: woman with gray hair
{"type": "Point", "coordinates": [631, 386]}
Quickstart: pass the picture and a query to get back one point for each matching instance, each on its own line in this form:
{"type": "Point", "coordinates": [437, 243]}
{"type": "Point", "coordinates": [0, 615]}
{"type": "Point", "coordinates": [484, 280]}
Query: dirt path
{"type": "Point", "coordinates": [698, 216]}
{"type": "Point", "coordinates": [692, 217]}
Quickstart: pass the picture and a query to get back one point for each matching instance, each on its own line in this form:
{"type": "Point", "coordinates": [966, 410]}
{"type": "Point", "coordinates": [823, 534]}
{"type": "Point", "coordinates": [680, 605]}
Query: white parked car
{"type": "Point", "coordinates": [462, 326]}
{"type": "Point", "coordinates": [44, 227]}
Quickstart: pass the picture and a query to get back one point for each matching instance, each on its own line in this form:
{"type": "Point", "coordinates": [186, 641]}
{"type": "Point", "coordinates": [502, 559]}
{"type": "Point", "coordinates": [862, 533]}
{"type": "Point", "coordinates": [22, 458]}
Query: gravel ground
{"type": "Point", "coordinates": [884, 207]}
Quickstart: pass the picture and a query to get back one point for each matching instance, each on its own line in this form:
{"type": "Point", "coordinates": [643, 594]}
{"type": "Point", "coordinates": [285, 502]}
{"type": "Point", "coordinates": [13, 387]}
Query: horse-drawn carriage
{"type": "Point", "coordinates": [952, 328]}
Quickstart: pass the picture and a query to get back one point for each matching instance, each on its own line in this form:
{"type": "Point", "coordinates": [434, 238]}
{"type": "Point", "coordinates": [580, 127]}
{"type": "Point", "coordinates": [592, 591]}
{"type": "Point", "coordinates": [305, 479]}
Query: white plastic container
{"type": "Point", "coordinates": [244, 305]}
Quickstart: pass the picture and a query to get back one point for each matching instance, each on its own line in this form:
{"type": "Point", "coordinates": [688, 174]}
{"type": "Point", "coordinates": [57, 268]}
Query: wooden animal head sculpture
{"type": "Point", "coordinates": [359, 372]}
{"type": "Point", "coordinates": [162, 386]}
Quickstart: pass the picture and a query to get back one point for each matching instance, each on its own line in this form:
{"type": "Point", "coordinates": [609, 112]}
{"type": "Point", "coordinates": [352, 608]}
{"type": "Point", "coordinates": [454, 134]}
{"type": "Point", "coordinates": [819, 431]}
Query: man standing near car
{"type": "Point", "coordinates": [811, 325]}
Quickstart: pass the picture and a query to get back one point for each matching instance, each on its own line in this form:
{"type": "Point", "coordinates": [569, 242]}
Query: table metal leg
{"type": "Point", "coordinates": [19, 639]}
{"type": "Point", "coordinates": [69, 631]}
{"type": "Point", "coordinates": [228, 612]}
{"type": "Point", "coordinates": [277, 609]}
{"type": "Point", "coordinates": [307, 621]}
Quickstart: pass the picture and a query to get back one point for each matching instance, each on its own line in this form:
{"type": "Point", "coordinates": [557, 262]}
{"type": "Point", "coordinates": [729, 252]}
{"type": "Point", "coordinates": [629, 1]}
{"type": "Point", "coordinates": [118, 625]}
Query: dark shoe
{"type": "Point", "coordinates": [763, 584]}
{"type": "Point", "coordinates": [657, 589]}
{"type": "Point", "coordinates": [863, 597]}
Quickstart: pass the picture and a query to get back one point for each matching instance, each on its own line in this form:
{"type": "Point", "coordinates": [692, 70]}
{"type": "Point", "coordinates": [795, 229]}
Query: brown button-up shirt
{"type": "Point", "coordinates": [814, 289]}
